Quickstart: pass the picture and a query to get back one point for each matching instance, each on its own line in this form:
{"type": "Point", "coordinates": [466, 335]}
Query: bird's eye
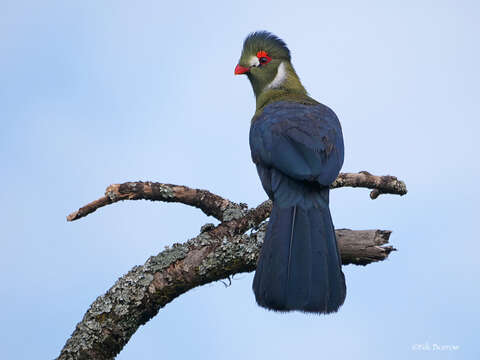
{"type": "Point", "coordinates": [263, 57]}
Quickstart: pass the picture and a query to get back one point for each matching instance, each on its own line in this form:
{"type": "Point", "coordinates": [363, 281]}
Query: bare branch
{"type": "Point", "coordinates": [216, 253]}
{"type": "Point", "coordinates": [211, 204]}
{"type": "Point", "coordinates": [213, 255]}
{"type": "Point", "coordinates": [380, 184]}
{"type": "Point", "coordinates": [220, 208]}
{"type": "Point", "coordinates": [362, 247]}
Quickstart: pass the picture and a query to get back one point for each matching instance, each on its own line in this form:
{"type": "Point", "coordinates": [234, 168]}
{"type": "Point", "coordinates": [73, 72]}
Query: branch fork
{"type": "Point", "coordinates": [218, 252]}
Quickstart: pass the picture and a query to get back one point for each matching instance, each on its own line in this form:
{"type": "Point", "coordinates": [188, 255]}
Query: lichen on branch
{"type": "Point", "coordinates": [218, 252]}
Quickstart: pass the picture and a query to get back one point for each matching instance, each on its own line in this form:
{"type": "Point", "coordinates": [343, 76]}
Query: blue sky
{"type": "Point", "coordinates": [94, 93]}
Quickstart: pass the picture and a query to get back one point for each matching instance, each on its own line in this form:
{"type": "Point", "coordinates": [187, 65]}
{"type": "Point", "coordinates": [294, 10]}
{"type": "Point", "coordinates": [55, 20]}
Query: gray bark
{"type": "Point", "coordinates": [218, 252]}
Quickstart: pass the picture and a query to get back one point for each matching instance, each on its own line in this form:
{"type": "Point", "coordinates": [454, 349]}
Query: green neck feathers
{"type": "Point", "coordinates": [284, 85]}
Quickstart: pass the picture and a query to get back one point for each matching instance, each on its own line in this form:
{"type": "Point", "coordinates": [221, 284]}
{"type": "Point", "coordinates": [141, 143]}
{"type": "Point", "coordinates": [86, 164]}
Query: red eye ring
{"type": "Point", "coordinates": [263, 57]}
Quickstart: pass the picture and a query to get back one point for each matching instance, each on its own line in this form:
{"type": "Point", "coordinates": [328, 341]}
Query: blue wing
{"type": "Point", "coordinates": [304, 142]}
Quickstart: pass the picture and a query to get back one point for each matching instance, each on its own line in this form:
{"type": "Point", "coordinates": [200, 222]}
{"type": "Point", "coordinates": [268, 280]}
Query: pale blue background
{"type": "Point", "coordinates": [94, 93]}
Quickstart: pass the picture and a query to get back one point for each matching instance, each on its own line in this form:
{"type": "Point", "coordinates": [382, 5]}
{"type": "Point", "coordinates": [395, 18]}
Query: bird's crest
{"type": "Point", "coordinates": [265, 44]}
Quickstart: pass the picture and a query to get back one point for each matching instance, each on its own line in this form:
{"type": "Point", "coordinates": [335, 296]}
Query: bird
{"type": "Point", "coordinates": [297, 146]}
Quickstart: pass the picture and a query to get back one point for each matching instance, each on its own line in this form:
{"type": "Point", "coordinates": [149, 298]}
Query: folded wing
{"type": "Point", "coordinates": [304, 142]}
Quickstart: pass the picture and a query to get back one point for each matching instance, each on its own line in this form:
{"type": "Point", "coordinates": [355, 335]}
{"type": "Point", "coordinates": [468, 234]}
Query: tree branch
{"type": "Point", "coordinates": [218, 252]}
{"type": "Point", "coordinates": [209, 203]}
{"type": "Point", "coordinates": [213, 255]}
{"type": "Point", "coordinates": [380, 184]}
{"type": "Point", "coordinates": [220, 208]}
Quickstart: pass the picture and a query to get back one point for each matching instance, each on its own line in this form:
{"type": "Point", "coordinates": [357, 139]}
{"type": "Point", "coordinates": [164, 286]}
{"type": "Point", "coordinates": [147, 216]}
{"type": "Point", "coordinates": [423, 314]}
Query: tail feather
{"type": "Point", "coordinates": [271, 274]}
{"type": "Point", "coordinates": [320, 263]}
{"type": "Point", "coordinates": [299, 266]}
{"type": "Point", "coordinates": [299, 274]}
{"type": "Point", "coordinates": [338, 289]}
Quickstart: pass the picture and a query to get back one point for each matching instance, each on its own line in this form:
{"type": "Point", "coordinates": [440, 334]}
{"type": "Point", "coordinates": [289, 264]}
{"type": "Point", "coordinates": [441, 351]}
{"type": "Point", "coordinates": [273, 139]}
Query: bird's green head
{"type": "Point", "coordinates": [266, 61]}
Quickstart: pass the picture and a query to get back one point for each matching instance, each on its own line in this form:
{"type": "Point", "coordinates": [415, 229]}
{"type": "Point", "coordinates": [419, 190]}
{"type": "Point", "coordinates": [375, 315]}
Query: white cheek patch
{"type": "Point", "coordinates": [254, 62]}
{"type": "Point", "coordinates": [279, 78]}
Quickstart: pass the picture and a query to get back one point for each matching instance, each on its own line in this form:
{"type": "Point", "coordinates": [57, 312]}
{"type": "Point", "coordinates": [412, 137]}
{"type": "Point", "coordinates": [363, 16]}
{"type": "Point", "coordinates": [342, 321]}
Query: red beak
{"type": "Point", "coordinates": [241, 70]}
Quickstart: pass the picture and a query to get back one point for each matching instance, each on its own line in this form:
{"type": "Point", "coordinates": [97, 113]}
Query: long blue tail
{"type": "Point", "coordinates": [299, 266]}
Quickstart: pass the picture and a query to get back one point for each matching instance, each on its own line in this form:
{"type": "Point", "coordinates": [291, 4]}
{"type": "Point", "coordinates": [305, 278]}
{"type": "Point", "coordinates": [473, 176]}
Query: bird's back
{"type": "Point", "coordinates": [302, 142]}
